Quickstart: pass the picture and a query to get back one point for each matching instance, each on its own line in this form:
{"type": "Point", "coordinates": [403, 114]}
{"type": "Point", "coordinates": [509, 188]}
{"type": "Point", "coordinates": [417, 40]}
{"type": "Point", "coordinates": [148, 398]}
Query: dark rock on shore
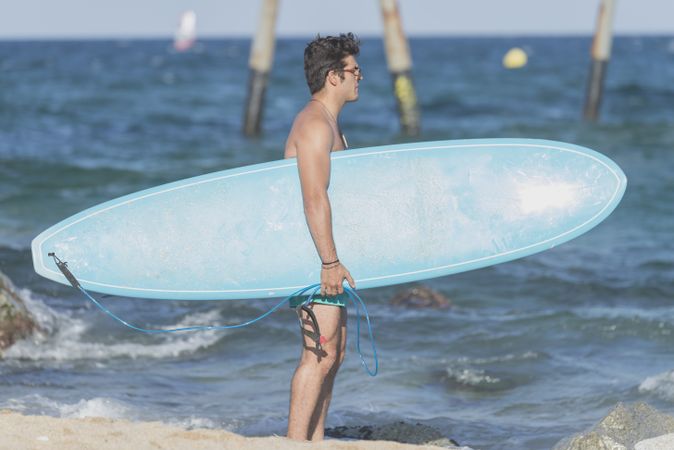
{"type": "Point", "coordinates": [421, 297]}
{"type": "Point", "coordinates": [15, 320]}
{"type": "Point", "coordinates": [402, 432]}
{"type": "Point", "coordinates": [621, 429]}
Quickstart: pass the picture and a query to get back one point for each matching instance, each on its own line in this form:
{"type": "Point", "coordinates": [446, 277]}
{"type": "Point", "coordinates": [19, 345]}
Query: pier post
{"type": "Point", "coordinates": [601, 54]}
{"type": "Point", "coordinates": [400, 65]}
{"type": "Point", "coordinates": [260, 62]}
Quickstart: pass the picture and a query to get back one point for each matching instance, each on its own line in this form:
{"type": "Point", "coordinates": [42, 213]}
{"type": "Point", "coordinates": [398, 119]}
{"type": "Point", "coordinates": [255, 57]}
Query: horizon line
{"type": "Point", "coordinates": [214, 36]}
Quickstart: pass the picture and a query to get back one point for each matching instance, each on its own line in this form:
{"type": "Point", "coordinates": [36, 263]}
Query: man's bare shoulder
{"type": "Point", "coordinates": [310, 130]}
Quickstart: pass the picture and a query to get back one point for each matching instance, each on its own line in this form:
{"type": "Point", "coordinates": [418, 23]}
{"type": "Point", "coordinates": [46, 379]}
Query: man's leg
{"type": "Point", "coordinates": [311, 387]}
{"type": "Point", "coordinates": [316, 432]}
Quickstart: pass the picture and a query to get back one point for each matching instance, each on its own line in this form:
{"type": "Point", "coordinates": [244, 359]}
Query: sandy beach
{"type": "Point", "coordinates": [21, 432]}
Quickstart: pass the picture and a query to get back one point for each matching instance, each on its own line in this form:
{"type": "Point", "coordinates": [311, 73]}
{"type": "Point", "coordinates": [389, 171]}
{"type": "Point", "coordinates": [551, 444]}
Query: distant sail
{"type": "Point", "coordinates": [186, 34]}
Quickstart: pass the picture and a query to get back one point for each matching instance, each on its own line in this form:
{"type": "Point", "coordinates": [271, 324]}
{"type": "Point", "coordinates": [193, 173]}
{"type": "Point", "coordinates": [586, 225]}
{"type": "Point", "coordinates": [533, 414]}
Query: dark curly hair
{"type": "Point", "coordinates": [324, 54]}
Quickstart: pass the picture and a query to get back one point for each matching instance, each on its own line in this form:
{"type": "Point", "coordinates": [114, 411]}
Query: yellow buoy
{"type": "Point", "coordinates": [515, 58]}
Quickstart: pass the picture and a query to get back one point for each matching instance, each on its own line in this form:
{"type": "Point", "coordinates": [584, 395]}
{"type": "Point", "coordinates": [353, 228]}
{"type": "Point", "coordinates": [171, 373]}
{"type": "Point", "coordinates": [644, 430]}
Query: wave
{"type": "Point", "coordinates": [24, 169]}
{"type": "Point", "coordinates": [652, 316]}
{"type": "Point", "coordinates": [12, 240]}
{"type": "Point", "coordinates": [490, 374]}
{"type": "Point", "coordinates": [637, 89]}
{"type": "Point", "coordinates": [472, 377]}
{"type": "Point", "coordinates": [510, 357]}
{"type": "Point", "coordinates": [94, 407]}
{"type": "Point", "coordinates": [106, 407]}
{"type": "Point", "coordinates": [662, 386]}
{"type": "Point", "coordinates": [64, 338]}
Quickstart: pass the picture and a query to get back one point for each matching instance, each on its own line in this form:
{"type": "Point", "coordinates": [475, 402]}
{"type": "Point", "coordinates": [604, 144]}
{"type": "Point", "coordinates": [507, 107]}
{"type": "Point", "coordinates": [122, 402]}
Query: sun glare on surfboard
{"type": "Point", "coordinates": [536, 198]}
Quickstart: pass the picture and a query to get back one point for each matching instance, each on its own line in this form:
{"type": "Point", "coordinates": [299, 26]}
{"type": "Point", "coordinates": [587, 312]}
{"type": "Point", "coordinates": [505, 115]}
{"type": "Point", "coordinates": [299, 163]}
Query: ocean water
{"type": "Point", "coordinates": [530, 352]}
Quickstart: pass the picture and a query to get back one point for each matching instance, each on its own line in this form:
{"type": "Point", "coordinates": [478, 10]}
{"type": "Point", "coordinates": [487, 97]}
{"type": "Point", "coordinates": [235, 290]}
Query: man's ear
{"type": "Point", "coordinates": [333, 78]}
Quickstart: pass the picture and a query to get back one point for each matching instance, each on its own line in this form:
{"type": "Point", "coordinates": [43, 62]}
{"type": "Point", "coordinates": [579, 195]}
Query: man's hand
{"type": "Point", "coordinates": [332, 280]}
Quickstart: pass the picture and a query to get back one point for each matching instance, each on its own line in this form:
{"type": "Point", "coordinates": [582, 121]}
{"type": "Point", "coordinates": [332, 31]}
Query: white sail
{"type": "Point", "coordinates": [186, 34]}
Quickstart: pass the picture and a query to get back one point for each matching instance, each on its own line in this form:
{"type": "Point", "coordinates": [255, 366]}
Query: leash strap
{"type": "Point", "coordinates": [315, 335]}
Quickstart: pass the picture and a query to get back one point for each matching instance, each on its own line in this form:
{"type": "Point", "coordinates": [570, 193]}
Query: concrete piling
{"type": "Point", "coordinates": [400, 65]}
{"type": "Point", "coordinates": [260, 63]}
{"type": "Point", "coordinates": [601, 54]}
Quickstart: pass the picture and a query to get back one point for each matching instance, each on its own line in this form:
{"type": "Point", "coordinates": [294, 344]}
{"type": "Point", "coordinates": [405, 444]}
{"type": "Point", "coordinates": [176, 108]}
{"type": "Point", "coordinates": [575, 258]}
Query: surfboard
{"type": "Point", "coordinates": [400, 213]}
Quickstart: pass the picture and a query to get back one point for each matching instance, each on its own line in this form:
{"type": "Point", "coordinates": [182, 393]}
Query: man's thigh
{"type": "Point", "coordinates": [332, 323]}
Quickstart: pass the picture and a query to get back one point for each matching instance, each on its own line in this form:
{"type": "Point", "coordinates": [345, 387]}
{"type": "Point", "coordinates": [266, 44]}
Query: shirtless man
{"type": "Point", "coordinates": [332, 74]}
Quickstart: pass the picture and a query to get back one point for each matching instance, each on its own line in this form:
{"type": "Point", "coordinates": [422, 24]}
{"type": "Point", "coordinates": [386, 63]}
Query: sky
{"type": "Point", "coordinates": [29, 19]}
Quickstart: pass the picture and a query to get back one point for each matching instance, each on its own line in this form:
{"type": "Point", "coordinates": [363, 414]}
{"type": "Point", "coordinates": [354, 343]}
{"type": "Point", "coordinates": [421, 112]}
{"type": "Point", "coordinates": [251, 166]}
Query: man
{"type": "Point", "coordinates": [332, 74]}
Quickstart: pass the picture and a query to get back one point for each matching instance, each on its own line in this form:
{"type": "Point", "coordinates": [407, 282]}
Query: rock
{"type": "Point", "coordinates": [15, 320]}
{"type": "Point", "coordinates": [421, 297]}
{"type": "Point", "coordinates": [664, 442]}
{"type": "Point", "coordinates": [402, 432]}
{"type": "Point", "coordinates": [621, 429]}
{"type": "Point", "coordinates": [593, 441]}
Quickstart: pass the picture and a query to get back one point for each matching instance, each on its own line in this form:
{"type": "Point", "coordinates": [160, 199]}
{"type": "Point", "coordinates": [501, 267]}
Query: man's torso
{"type": "Point", "coordinates": [311, 111]}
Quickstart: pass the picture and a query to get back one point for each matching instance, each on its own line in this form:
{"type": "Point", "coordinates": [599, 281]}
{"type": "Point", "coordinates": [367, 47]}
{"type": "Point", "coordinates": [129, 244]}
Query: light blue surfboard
{"type": "Point", "coordinates": [400, 213]}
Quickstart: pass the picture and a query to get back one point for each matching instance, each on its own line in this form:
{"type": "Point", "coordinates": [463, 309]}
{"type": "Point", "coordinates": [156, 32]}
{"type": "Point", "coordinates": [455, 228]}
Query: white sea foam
{"type": "Point", "coordinates": [193, 422]}
{"type": "Point", "coordinates": [94, 407]}
{"type": "Point", "coordinates": [63, 338]}
{"type": "Point", "coordinates": [471, 377]}
{"type": "Point", "coordinates": [664, 315]}
{"type": "Point", "coordinates": [529, 355]}
{"type": "Point", "coordinates": [97, 407]}
{"type": "Point", "coordinates": [102, 407]}
{"type": "Point", "coordinates": [661, 385]}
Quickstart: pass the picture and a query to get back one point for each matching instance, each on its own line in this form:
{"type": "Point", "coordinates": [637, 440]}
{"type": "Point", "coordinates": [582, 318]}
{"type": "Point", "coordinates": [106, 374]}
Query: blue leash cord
{"type": "Point", "coordinates": [355, 299]}
{"type": "Point", "coordinates": [353, 295]}
{"type": "Point", "coordinates": [192, 328]}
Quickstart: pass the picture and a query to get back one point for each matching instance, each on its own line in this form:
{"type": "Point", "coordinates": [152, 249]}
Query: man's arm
{"type": "Point", "coordinates": [313, 162]}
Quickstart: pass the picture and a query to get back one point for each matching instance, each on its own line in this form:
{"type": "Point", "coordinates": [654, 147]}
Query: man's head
{"type": "Point", "coordinates": [329, 54]}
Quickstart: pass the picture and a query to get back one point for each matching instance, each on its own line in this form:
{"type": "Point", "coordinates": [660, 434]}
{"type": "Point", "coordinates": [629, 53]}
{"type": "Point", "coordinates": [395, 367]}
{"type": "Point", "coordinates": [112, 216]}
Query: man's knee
{"type": "Point", "coordinates": [333, 361]}
{"type": "Point", "coordinates": [325, 361]}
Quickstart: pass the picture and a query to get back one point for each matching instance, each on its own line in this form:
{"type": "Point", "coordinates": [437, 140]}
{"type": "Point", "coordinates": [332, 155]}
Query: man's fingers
{"type": "Point", "coordinates": [336, 287]}
{"type": "Point", "coordinates": [350, 280]}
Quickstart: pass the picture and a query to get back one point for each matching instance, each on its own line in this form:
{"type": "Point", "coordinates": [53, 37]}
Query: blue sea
{"type": "Point", "coordinates": [530, 352]}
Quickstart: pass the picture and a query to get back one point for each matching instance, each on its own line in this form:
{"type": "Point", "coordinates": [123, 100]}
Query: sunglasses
{"type": "Point", "coordinates": [357, 72]}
